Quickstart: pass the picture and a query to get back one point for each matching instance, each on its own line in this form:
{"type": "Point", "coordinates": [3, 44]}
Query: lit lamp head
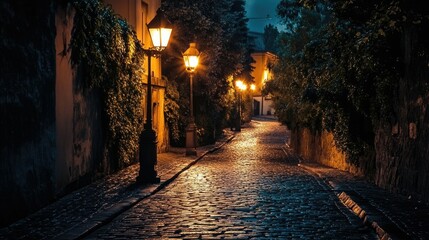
{"type": "Point", "coordinates": [191, 56]}
{"type": "Point", "coordinates": [241, 85]}
{"type": "Point", "coordinates": [252, 87]}
{"type": "Point", "coordinates": [160, 31]}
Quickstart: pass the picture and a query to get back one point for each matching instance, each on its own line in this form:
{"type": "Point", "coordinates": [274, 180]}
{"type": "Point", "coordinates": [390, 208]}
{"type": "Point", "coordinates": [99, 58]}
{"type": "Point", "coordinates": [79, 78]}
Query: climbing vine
{"type": "Point", "coordinates": [339, 68]}
{"type": "Point", "coordinates": [110, 57]}
{"type": "Point", "coordinates": [172, 112]}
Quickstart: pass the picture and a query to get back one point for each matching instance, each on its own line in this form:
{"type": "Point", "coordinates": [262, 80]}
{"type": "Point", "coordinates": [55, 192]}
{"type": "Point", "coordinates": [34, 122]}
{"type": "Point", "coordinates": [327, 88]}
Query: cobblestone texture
{"type": "Point", "coordinates": [398, 216]}
{"type": "Point", "coordinates": [248, 189]}
{"type": "Point", "coordinates": [81, 210]}
{"type": "Point", "coordinates": [252, 188]}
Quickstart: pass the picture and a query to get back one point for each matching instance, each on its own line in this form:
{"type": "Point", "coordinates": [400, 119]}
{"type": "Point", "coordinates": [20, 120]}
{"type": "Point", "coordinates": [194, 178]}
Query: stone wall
{"type": "Point", "coordinates": [27, 106]}
{"type": "Point", "coordinates": [320, 147]}
{"type": "Point", "coordinates": [403, 145]}
{"type": "Point", "coordinates": [401, 161]}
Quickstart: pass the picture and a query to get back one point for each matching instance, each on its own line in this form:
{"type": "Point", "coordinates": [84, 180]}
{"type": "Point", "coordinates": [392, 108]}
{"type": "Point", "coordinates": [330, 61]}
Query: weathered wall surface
{"type": "Point", "coordinates": [64, 98]}
{"type": "Point", "coordinates": [52, 130]}
{"type": "Point", "coordinates": [403, 146]}
{"type": "Point", "coordinates": [27, 106]}
{"type": "Point", "coordinates": [80, 141]}
{"type": "Point", "coordinates": [320, 147]}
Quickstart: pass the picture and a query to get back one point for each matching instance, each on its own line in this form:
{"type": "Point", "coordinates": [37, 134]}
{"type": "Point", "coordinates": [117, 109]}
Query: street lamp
{"type": "Point", "coordinates": [241, 87]}
{"type": "Point", "coordinates": [252, 87]}
{"type": "Point", "coordinates": [191, 57]}
{"type": "Point", "coordinates": [160, 30]}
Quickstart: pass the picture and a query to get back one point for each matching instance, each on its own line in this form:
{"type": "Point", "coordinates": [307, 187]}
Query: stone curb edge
{"type": "Point", "coordinates": [358, 211]}
{"type": "Point", "coordinates": [100, 219]}
{"type": "Point", "coordinates": [348, 202]}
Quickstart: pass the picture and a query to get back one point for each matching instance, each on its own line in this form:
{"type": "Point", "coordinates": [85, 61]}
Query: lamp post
{"type": "Point", "coordinates": [191, 57]}
{"type": "Point", "coordinates": [241, 87]}
{"type": "Point", "coordinates": [253, 88]}
{"type": "Point", "coordinates": [160, 31]}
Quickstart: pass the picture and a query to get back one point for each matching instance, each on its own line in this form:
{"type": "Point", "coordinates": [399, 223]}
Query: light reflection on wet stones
{"type": "Point", "coordinates": [248, 189]}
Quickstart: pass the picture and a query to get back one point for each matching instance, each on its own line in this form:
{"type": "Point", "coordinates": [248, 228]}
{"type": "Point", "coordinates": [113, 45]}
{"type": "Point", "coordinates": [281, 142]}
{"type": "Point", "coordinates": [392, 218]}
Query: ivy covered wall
{"type": "Point", "coordinates": [100, 92]}
{"type": "Point", "coordinates": [71, 94]}
{"type": "Point", "coordinates": [363, 78]}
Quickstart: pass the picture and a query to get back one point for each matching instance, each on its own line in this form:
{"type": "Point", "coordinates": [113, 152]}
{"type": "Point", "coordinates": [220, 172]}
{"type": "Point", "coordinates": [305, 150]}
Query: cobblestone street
{"type": "Point", "coordinates": [226, 119]}
{"type": "Point", "coordinates": [249, 188]}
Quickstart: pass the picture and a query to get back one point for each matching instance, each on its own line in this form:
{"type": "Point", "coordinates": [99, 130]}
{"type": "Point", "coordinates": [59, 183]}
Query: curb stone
{"type": "Point", "coordinates": [358, 211]}
{"type": "Point", "coordinates": [352, 205]}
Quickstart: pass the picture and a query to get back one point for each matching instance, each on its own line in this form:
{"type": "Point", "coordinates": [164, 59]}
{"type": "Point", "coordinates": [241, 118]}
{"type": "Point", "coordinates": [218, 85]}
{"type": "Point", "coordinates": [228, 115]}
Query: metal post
{"type": "Point", "coordinates": [239, 112]}
{"type": "Point", "coordinates": [191, 129]}
{"type": "Point", "coordinates": [147, 141]}
{"type": "Point", "coordinates": [191, 94]}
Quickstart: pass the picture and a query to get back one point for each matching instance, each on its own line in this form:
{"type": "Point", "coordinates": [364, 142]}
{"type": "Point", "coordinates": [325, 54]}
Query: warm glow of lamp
{"type": "Point", "coordinates": [252, 87]}
{"type": "Point", "coordinates": [191, 57]}
{"type": "Point", "coordinates": [160, 31]}
{"type": "Point", "coordinates": [265, 77]}
{"type": "Point", "coordinates": [241, 85]}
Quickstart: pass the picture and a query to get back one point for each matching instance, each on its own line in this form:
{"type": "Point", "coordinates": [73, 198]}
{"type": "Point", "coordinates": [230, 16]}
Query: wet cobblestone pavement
{"type": "Point", "coordinates": [247, 189]}
{"type": "Point", "coordinates": [397, 216]}
{"type": "Point", "coordinates": [81, 211]}
{"type": "Point", "coordinates": [250, 188]}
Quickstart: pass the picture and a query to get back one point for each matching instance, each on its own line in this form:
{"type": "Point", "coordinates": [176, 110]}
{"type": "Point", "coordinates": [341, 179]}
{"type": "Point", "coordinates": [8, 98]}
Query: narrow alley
{"type": "Point", "coordinates": [247, 189]}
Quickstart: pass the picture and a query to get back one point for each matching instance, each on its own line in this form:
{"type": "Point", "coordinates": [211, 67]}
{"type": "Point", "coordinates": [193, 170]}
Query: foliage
{"type": "Point", "coordinates": [271, 34]}
{"type": "Point", "coordinates": [110, 56]}
{"type": "Point", "coordinates": [340, 67]}
{"type": "Point", "coordinates": [172, 111]}
{"type": "Point", "coordinates": [220, 31]}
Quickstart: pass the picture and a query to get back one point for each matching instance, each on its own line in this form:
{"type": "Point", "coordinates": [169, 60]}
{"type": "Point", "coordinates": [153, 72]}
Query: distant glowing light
{"type": "Point", "coordinates": [265, 75]}
{"type": "Point", "coordinates": [252, 87]}
{"type": "Point", "coordinates": [241, 85]}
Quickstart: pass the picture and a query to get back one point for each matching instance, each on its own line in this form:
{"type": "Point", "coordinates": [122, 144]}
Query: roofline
{"type": "Point", "coordinates": [265, 52]}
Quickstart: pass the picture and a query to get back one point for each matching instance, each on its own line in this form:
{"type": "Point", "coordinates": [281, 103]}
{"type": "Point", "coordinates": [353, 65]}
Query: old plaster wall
{"type": "Point", "coordinates": [80, 142]}
{"type": "Point", "coordinates": [320, 147]}
{"type": "Point", "coordinates": [51, 139]}
{"type": "Point", "coordinates": [27, 107]}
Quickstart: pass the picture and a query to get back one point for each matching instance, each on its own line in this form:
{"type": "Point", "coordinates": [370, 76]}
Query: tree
{"type": "Point", "coordinates": [220, 31]}
{"type": "Point", "coordinates": [271, 34]}
{"type": "Point", "coordinates": [339, 68]}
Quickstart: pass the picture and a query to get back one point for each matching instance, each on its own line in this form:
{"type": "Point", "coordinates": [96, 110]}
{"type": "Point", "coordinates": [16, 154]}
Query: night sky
{"type": "Point", "coordinates": [257, 9]}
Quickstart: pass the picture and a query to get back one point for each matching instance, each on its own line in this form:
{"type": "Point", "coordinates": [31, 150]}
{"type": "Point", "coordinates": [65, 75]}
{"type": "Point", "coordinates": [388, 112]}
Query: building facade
{"type": "Point", "coordinates": [138, 13]}
{"type": "Point", "coordinates": [52, 128]}
{"type": "Point", "coordinates": [79, 136]}
{"type": "Point", "coordinates": [262, 72]}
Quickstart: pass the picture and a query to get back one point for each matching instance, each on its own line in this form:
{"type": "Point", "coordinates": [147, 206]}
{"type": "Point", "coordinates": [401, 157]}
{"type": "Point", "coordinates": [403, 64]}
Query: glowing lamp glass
{"type": "Point", "coordinates": [191, 57]}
